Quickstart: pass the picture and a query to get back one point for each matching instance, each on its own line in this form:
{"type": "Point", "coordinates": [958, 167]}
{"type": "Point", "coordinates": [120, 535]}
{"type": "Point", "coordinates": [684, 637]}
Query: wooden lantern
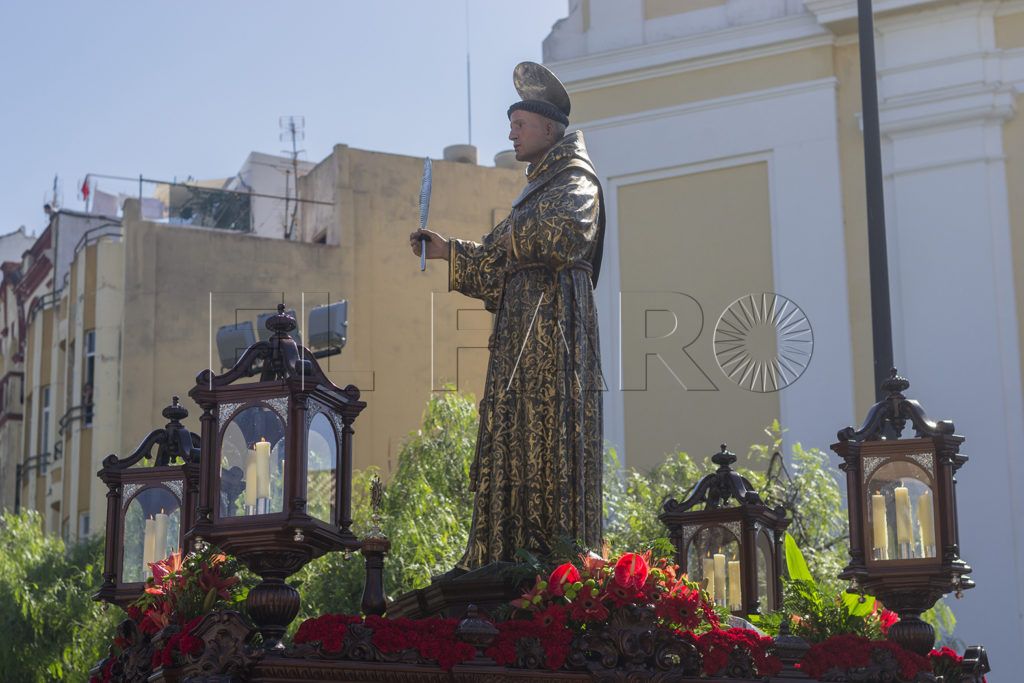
{"type": "Point", "coordinates": [276, 482]}
{"type": "Point", "coordinates": [904, 542]}
{"type": "Point", "coordinates": [149, 509]}
{"type": "Point", "coordinates": [735, 550]}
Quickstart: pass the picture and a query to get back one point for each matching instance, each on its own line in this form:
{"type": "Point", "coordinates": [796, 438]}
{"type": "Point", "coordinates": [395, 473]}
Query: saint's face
{"type": "Point", "coordinates": [530, 135]}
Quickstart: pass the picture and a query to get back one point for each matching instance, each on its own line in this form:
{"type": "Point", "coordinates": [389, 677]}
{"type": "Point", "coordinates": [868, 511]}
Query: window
{"type": "Point", "coordinates": [44, 420]}
{"type": "Point", "coordinates": [89, 371]}
{"type": "Point", "coordinates": [69, 382]}
{"type": "Point", "coordinates": [83, 525]}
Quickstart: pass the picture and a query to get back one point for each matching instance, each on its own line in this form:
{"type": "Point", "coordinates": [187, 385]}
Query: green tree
{"type": "Point", "coordinates": [426, 512]}
{"type": "Point", "coordinates": [52, 627]}
{"type": "Point", "coordinates": [808, 488]}
{"type": "Point", "coordinates": [810, 492]}
{"type": "Point", "coordinates": [633, 499]}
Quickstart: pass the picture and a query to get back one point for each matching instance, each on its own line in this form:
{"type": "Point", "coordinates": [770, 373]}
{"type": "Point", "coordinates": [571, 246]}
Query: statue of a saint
{"type": "Point", "coordinates": [537, 471]}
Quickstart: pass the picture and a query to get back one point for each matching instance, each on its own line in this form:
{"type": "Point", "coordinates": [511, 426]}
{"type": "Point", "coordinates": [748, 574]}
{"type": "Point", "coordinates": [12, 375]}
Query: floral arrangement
{"type": "Point", "coordinates": [946, 662]}
{"type": "Point", "coordinates": [571, 602]}
{"type": "Point", "coordinates": [848, 651]}
{"type": "Point", "coordinates": [432, 639]}
{"type": "Point", "coordinates": [575, 600]}
{"type": "Point", "coordinates": [181, 590]}
{"type": "Point", "coordinates": [546, 632]}
{"type": "Point", "coordinates": [598, 586]}
{"type": "Point", "coordinates": [716, 645]}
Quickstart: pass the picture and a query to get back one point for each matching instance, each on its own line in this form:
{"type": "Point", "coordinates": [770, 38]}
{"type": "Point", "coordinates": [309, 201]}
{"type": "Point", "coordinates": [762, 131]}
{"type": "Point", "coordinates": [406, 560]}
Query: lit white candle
{"type": "Point", "coordinates": [148, 546]}
{"type": "Point", "coordinates": [904, 530]}
{"type": "Point", "coordinates": [263, 468]}
{"type": "Point", "coordinates": [709, 575]}
{"type": "Point", "coordinates": [720, 576]}
{"type": "Point", "coordinates": [926, 518]}
{"type": "Point", "coordinates": [735, 590]}
{"type": "Point", "coordinates": [251, 478]}
{"type": "Point", "coordinates": [880, 526]}
{"type": "Point", "coordinates": [160, 536]}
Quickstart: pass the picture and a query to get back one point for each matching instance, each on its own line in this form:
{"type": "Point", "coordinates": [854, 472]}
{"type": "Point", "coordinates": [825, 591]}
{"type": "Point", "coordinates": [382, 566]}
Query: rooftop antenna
{"type": "Point", "coordinates": [469, 91]}
{"type": "Point", "coordinates": [293, 128]}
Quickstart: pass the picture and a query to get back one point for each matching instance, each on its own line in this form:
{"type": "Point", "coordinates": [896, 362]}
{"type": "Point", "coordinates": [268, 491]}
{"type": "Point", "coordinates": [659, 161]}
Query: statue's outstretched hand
{"type": "Point", "coordinates": [437, 245]}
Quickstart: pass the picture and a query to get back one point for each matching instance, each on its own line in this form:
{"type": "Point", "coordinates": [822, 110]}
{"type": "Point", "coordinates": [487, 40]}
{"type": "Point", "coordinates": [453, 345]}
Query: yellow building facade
{"type": "Point", "coordinates": [123, 315]}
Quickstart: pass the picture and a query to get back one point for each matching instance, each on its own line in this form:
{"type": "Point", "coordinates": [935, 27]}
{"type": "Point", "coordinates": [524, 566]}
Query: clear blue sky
{"type": "Point", "coordinates": [173, 89]}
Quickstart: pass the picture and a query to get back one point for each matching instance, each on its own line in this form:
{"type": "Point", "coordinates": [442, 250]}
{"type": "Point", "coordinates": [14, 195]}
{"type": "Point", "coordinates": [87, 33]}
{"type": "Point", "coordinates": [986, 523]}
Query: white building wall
{"type": "Point", "coordinates": [943, 103]}
{"type": "Point", "coordinates": [945, 93]}
{"type": "Point", "coordinates": [273, 177]}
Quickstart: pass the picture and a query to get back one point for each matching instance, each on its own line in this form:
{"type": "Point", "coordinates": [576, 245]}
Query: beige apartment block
{"type": "Point", "coordinates": [120, 314]}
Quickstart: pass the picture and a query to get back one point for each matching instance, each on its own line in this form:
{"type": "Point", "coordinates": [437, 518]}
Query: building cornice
{"type": "Point", "coordinates": [737, 44]}
{"type": "Point", "coordinates": [970, 105]}
{"type": "Point", "coordinates": [715, 103]}
{"type": "Point", "coordinates": [841, 15]}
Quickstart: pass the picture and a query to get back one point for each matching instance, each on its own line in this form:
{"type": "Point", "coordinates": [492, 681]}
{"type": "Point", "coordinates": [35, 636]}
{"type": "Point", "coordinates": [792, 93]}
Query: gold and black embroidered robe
{"type": "Point", "coordinates": [537, 470]}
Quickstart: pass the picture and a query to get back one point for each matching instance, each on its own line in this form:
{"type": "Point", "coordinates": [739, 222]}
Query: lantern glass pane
{"type": "Point", "coordinates": [152, 531]}
{"type": "Point", "coordinates": [252, 463]}
{"type": "Point", "coordinates": [900, 505]}
{"type": "Point", "coordinates": [765, 585]}
{"type": "Point", "coordinates": [322, 468]}
{"type": "Point", "coordinates": [713, 558]}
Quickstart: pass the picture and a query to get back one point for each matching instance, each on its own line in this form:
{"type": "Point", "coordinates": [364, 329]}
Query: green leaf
{"type": "Point", "coordinates": [211, 598]}
{"type": "Point", "coordinates": [855, 607]}
{"type": "Point", "coordinates": [795, 562]}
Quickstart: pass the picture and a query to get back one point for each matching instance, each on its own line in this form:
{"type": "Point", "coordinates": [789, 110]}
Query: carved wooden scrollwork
{"type": "Point", "coordinates": [630, 645]}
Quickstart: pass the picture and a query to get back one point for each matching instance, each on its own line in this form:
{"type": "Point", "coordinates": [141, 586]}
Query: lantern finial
{"type": "Point", "coordinates": [723, 459]}
{"type": "Point", "coordinates": [175, 412]}
{"type": "Point", "coordinates": [895, 385]}
{"type": "Point", "coordinates": [281, 323]}
{"type": "Point", "coordinates": [714, 490]}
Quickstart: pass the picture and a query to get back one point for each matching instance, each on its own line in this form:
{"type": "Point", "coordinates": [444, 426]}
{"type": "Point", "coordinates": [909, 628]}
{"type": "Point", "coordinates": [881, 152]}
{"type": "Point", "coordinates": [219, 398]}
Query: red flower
{"type": "Point", "coordinates": [328, 630]}
{"type": "Point", "coordinates": [170, 565]}
{"type": "Point", "coordinates": [886, 619]}
{"type": "Point", "coordinates": [620, 596]}
{"type": "Point", "coordinates": [211, 580]}
{"type": "Point", "coordinates": [588, 607]}
{"type": "Point", "coordinates": [563, 574]}
{"type": "Point", "coordinates": [846, 652]}
{"type": "Point", "coordinates": [946, 662]}
{"type": "Point", "coordinates": [593, 565]}
{"type": "Point", "coordinates": [631, 570]}
{"type": "Point", "coordinates": [716, 645]}
{"type": "Point", "coordinates": [554, 637]}
{"type": "Point", "coordinates": [156, 618]}
{"type": "Point", "coordinates": [553, 617]}
{"type": "Point", "coordinates": [680, 606]}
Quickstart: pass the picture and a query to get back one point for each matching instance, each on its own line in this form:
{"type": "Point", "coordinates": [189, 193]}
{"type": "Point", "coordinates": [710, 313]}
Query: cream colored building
{"type": "Point", "coordinates": [120, 314]}
{"type": "Point", "coordinates": [728, 136]}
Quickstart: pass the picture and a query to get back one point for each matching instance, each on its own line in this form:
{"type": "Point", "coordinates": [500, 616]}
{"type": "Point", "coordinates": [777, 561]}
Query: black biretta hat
{"type": "Point", "coordinates": [541, 91]}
